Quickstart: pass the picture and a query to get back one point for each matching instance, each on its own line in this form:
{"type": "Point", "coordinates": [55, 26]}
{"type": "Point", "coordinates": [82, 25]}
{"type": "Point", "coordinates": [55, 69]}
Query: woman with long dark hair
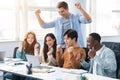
{"type": "Point", "coordinates": [48, 51]}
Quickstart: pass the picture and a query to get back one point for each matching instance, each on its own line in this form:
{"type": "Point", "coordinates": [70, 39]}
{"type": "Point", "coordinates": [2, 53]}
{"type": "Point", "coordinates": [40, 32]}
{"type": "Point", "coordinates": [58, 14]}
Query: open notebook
{"type": "Point", "coordinates": [34, 60]}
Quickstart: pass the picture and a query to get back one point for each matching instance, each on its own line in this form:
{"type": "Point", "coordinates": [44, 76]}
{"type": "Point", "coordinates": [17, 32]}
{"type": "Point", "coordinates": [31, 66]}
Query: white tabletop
{"type": "Point", "coordinates": [56, 74]}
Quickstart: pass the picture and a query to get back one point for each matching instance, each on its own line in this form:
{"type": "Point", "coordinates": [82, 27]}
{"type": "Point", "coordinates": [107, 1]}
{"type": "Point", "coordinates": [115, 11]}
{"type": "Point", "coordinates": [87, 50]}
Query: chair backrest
{"type": "Point", "coordinates": [15, 50]}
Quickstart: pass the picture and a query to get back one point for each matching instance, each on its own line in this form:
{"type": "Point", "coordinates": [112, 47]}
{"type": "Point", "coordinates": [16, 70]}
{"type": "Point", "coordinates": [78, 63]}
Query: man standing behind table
{"type": "Point", "coordinates": [103, 61]}
{"type": "Point", "coordinates": [66, 21]}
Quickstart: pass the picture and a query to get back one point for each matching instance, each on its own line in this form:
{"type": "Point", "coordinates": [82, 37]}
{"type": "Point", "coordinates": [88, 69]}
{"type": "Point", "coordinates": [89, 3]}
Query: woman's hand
{"type": "Point", "coordinates": [50, 51]}
{"type": "Point", "coordinates": [36, 49]}
{"type": "Point", "coordinates": [20, 46]}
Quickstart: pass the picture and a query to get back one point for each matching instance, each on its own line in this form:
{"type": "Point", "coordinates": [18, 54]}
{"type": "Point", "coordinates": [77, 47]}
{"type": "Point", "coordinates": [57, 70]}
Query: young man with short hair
{"type": "Point", "coordinates": [73, 53]}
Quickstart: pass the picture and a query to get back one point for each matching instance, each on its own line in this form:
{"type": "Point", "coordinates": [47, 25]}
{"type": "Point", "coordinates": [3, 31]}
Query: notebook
{"type": "Point", "coordinates": [2, 56]}
{"type": "Point", "coordinates": [34, 60]}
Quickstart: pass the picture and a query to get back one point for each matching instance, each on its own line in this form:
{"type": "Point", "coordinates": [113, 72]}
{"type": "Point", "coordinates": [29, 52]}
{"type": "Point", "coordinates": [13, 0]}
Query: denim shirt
{"type": "Point", "coordinates": [105, 63]}
{"type": "Point", "coordinates": [75, 23]}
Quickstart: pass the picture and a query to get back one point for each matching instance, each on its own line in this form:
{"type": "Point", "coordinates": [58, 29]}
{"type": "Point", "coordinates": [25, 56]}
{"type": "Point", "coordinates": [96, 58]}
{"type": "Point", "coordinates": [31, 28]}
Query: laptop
{"type": "Point", "coordinates": [34, 60]}
{"type": "Point", "coordinates": [2, 56]}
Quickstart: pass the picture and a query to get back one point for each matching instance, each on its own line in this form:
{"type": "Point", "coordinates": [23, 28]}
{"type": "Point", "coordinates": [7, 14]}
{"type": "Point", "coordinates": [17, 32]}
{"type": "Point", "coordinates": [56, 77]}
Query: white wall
{"type": "Point", "coordinates": [111, 38]}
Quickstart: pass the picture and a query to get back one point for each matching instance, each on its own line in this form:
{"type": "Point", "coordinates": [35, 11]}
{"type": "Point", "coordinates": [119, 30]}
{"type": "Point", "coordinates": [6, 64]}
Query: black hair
{"type": "Point", "coordinates": [71, 34]}
{"type": "Point", "coordinates": [95, 36]}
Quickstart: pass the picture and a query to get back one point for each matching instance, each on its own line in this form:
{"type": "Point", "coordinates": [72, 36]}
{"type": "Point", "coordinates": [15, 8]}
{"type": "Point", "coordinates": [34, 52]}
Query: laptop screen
{"type": "Point", "coordinates": [33, 59]}
{"type": "Point", "coordinates": [35, 62]}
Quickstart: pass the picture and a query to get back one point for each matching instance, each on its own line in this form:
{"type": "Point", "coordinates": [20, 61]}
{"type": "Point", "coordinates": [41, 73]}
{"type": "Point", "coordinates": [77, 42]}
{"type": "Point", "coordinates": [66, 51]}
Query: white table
{"type": "Point", "coordinates": [59, 74]}
{"type": "Point", "coordinates": [97, 77]}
